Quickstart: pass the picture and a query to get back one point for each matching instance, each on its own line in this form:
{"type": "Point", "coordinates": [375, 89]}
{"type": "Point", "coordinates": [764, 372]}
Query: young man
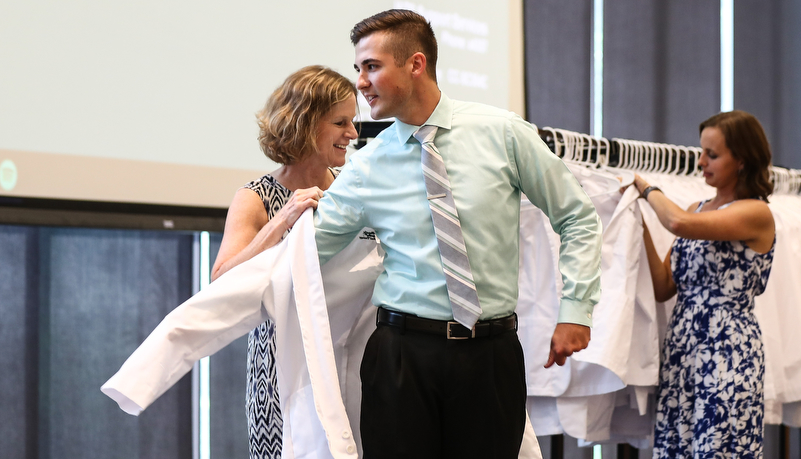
{"type": "Point", "coordinates": [425, 394]}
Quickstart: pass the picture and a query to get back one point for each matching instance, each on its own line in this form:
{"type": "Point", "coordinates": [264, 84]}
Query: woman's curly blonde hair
{"type": "Point", "coordinates": [288, 122]}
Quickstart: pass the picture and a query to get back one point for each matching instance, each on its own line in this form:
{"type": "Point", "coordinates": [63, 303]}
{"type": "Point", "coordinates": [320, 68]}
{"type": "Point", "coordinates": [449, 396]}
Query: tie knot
{"type": "Point", "coordinates": [425, 134]}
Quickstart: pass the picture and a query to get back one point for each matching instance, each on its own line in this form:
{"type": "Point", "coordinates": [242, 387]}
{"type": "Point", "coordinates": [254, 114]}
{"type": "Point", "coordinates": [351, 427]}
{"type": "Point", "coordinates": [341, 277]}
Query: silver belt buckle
{"type": "Point", "coordinates": [448, 331]}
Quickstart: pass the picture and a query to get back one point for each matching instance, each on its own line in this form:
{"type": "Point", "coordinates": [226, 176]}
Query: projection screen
{"type": "Point", "coordinates": [153, 102]}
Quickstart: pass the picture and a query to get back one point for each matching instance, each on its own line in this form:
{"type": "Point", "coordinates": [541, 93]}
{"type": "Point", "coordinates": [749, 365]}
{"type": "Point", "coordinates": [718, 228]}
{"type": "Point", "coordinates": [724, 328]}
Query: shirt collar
{"type": "Point", "coordinates": [441, 117]}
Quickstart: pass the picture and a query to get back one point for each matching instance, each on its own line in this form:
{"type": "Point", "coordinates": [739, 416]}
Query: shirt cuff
{"type": "Point", "coordinates": [575, 312]}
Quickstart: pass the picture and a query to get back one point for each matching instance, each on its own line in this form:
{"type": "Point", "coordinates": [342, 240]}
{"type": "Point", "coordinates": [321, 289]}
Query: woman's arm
{"type": "Point", "coordinates": [661, 272]}
{"type": "Point", "coordinates": [249, 231]}
{"type": "Point", "coordinates": [747, 220]}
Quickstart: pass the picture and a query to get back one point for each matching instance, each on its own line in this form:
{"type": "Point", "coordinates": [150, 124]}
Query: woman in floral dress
{"type": "Point", "coordinates": [710, 402]}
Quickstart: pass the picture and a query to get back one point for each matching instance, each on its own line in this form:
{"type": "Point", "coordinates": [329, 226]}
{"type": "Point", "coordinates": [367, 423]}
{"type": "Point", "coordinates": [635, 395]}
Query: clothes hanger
{"type": "Point", "coordinates": [621, 172]}
{"type": "Point", "coordinates": [665, 156]}
{"type": "Point", "coordinates": [652, 153]}
{"type": "Point", "coordinates": [571, 144]}
{"type": "Point", "coordinates": [631, 164]}
{"type": "Point", "coordinates": [578, 150]}
{"type": "Point", "coordinates": [674, 154]}
{"type": "Point", "coordinates": [778, 177]}
{"type": "Point", "coordinates": [640, 149]}
{"type": "Point", "coordinates": [697, 152]}
{"type": "Point", "coordinates": [550, 134]}
{"type": "Point", "coordinates": [796, 188]}
{"type": "Point", "coordinates": [629, 154]}
{"type": "Point", "coordinates": [602, 157]}
{"type": "Point", "coordinates": [682, 160]}
{"type": "Point", "coordinates": [621, 153]}
{"type": "Point", "coordinates": [625, 152]}
{"type": "Point", "coordinates": [688, 159]}
{"type": "Point", "coordinates": [647, 157]}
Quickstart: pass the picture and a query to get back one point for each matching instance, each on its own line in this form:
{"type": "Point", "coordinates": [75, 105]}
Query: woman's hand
{"type": "Point", "coordinates": [248, 231]}
{"type": "Point", "coordinates": [640, 183]}
{"type": "Point", "coordinates": [301, 200]}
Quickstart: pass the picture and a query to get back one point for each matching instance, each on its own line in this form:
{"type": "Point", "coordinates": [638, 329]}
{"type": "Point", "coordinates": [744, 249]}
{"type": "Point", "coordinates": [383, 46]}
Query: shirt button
{"type": "Point", "coordinates": [351, 449]}
{"type": "Point", "coordinates": [589, 316]}
{"type": "Point", "coordinates": [345, 434]}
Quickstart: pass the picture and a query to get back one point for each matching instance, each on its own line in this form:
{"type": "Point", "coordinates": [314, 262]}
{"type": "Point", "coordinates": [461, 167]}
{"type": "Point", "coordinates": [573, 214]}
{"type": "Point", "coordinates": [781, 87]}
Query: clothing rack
{"type": "Point", "coordinates": [632, 155]}
{"type": "Point", "coordinates": [664, 164]}
{"type": "Point", "coordinates": [649, 157]}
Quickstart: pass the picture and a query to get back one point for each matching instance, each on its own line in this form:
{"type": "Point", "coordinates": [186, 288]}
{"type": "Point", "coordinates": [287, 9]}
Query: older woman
{"type": "Point", "coordinates": [305, 126]}
{"type": "Point", "coordinates": [710, 401]}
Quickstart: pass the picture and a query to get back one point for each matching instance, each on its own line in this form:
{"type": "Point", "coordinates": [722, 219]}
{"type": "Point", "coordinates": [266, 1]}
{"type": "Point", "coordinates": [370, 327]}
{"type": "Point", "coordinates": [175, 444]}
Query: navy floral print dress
{"type": "Point", "coordinates": [710, 402]}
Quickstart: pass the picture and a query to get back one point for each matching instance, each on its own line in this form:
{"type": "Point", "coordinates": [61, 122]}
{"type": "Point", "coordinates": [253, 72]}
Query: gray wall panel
{"type": "Point", "coordinates": [772, 441]}
{"type": "Point", "coordinates": [787, 145]}
{"type": "Point", "coordinates": [17, 435]}
{"type": "Point", "coordinates": [756, 62]}
{"type": "Point", "coordinates": [767, 69]}
{"type": "Point", "coordinates": [229, 428]}
{"type": "Point", "coordinates": [661, 68]}
{"type": "Point", "coordinates": [106, 290]}
{"type": "Point", "coordinates": [557, 63]}
{"type": "Point", "coordinates": [633, 76]}
{"type": "Point", "coordinates": [693, 68]}
{"type": "Point", "coordinates": [794, 443]}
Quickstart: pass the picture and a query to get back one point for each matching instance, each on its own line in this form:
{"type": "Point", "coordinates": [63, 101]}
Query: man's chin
{"type": "Point", "coordinates": [376, 114]}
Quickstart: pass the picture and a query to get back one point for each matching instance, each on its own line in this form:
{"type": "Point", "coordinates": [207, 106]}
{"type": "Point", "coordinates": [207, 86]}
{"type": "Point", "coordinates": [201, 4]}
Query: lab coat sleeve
{"type": "Point", "coordinates": [228, 308]}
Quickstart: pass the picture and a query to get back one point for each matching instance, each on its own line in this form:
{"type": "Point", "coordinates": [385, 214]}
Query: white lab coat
{"type": "Point", "coordinates": [323, 318]}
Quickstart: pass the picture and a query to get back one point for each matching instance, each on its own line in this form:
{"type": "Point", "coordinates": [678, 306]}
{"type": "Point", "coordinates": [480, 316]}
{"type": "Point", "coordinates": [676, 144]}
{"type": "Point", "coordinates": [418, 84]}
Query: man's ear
{"type": "Point", "coordinates": [418, 62]}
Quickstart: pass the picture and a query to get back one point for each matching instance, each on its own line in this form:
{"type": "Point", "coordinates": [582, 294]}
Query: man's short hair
{"type": "Point", "coordinates": [409, 33]}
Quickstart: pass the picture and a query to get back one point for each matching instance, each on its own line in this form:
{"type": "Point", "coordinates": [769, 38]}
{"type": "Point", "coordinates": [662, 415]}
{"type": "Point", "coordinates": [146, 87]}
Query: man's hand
{"type": "Point", "coordinates": [567, 339]}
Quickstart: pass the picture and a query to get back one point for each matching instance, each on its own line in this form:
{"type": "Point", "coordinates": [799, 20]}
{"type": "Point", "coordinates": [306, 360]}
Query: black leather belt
{"type": "Point", "coordinates": [448, 329]}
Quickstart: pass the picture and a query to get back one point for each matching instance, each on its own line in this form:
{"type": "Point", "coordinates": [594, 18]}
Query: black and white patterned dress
{"type": "Point", "coordinates": [711, 402]}
{"type": "Point", "coordinates": [265, 422]}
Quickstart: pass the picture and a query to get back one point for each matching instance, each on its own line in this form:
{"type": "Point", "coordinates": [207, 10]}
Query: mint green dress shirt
{"type": "Point", "coordinates": [492, 157]}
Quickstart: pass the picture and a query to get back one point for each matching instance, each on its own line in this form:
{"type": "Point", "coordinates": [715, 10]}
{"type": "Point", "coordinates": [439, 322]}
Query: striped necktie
{"type": "Point", "coordinates": [458, 276]}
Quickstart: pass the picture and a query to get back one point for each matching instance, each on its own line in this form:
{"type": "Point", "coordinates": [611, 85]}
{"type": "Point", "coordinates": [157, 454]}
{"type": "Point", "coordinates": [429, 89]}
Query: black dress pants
{"type": "Point", "coordinates": [424, 396]}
